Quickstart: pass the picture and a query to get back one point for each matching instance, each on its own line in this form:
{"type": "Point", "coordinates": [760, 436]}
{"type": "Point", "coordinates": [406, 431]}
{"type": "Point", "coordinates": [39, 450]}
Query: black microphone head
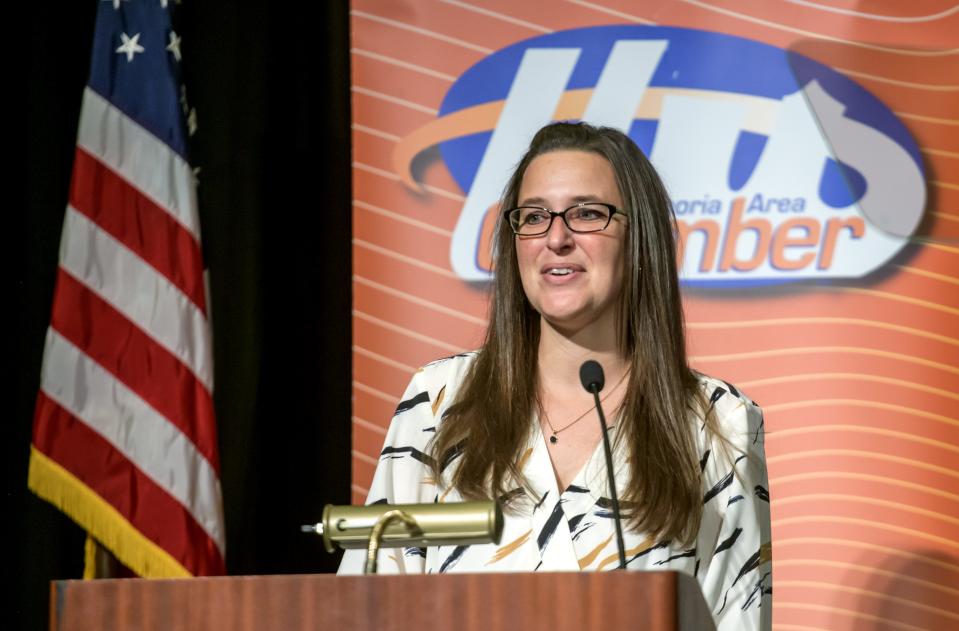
{"type": "Point", "coordinates": [591, 376]}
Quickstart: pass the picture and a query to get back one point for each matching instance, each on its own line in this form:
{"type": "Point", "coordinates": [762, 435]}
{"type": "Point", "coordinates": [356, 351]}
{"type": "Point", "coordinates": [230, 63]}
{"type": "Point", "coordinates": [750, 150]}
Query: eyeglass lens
{"type": "Point", "coordinates": [580, 218]}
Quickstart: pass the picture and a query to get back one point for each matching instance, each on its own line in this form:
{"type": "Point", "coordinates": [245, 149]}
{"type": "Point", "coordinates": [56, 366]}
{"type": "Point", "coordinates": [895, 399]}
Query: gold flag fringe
{"type": "Point", "coordinates": [58, 486]}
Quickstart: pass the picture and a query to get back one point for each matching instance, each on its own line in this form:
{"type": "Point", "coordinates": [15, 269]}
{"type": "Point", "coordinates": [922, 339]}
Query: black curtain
{"type": "Point", "coordinates": [270, 82]}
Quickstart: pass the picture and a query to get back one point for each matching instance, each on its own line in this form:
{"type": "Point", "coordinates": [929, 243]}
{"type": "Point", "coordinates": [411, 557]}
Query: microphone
{"type": "Point", "coordinates": [592, 377]}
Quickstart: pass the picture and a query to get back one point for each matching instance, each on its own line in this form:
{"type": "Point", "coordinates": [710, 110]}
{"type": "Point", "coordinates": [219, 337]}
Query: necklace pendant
{"type": "Point", "coordinates": [553, 439]}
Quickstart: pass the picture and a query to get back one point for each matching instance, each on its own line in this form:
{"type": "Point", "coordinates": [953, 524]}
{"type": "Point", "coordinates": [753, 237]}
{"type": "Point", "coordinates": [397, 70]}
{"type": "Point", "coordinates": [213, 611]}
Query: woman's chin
{"type": "Point", "coordinates": [568, 323]}
{"type": "Point", "coordinates": [572, 320]}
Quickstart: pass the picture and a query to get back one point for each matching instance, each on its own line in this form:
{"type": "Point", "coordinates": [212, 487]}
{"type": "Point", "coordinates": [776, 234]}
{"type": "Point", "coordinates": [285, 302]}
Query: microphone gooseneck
{"type": "Point", "coordinates": [592, 377]}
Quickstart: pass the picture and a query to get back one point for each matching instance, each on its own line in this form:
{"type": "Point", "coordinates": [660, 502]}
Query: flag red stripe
{"type": "Point", "coordinates": [147, 506]}
{"type": "Point", "coordinates": [122, 348]}
{"type": "Point", "coordinates": [125, 213]}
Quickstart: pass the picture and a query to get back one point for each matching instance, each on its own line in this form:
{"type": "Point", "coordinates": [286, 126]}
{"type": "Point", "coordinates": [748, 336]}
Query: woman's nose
{"type": "Point", "coordinates": [559, 237]}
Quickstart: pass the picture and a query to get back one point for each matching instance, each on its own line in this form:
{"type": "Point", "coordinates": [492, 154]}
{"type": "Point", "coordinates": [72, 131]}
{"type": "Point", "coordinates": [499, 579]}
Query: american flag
{"type": "Point", "coordinates": [124, 437]}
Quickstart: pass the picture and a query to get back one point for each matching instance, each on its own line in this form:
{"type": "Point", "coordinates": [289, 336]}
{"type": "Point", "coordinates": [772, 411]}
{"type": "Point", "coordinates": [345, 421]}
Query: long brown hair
{"type": "Point", "coordinates": [487, 428]}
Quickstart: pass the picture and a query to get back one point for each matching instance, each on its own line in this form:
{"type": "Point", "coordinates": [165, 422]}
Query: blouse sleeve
{"type": "Point", "coordinates": [403, 475]}
{"type": "Point", "coordinates": [736, 522]}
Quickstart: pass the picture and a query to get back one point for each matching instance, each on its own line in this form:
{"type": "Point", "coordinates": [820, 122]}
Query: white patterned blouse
{"type": "Point", "coordinates": [572, 529]}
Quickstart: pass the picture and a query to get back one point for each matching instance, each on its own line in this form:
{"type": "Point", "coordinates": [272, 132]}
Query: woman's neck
{"type": "Point", "coordinates": [560, 356]}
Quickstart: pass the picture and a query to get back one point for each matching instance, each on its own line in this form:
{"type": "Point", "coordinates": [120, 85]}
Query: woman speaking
{"type": "Point", "coordinates": [585, 269]}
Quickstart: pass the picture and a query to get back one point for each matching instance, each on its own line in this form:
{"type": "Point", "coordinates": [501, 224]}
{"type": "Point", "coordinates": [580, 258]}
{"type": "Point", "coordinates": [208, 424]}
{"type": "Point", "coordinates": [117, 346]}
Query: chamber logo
{"type": "Point", "coordinates": [779, 167]}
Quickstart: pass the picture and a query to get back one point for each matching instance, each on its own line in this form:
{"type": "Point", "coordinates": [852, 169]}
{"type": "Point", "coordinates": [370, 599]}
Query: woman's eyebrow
{"type": "Point", "coordinates": [578, 199]}
{"type": "Point", "coordinates": [586, 198]}
{"type": "Point", "coordinates": [532, 201]}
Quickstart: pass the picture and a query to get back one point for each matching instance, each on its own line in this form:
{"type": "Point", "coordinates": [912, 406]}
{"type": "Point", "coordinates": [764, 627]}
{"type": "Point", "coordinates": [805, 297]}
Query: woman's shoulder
{"type": "Point", "coordinates": [446, 370]}
{"type": "Point", "coordinates": [722, 394]}
{"type": "Point", "coordinates": [451, 363]}
{"type": "Point", "coordinates": [435, 383]}
{"type": "Point", "coordinates": [738, 417]}
{"type": "Point", "coordinates": [421, 408]}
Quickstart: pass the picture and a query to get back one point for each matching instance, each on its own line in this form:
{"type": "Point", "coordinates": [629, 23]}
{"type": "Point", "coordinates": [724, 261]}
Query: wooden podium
{"type": "Point", "coordinates": [651, 601]}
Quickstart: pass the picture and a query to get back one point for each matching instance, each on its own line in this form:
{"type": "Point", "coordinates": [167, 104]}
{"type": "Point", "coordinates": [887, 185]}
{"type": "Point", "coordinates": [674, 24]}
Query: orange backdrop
{"type": "Point", "coordinates": [859, 378]}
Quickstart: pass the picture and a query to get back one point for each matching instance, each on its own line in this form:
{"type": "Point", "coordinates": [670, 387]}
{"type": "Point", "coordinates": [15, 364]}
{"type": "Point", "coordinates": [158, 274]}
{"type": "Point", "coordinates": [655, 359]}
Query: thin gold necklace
{"type": "Point", "coordinates": [553, 436]}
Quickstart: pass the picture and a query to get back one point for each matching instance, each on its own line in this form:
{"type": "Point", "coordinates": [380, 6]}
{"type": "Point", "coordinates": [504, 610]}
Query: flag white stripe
{"type": "Point", "coordinates": [138, 291]}
{"type": "Point", "coordinates": [140, 158]}
{"type": "Point", "coordinates": [149, 440]}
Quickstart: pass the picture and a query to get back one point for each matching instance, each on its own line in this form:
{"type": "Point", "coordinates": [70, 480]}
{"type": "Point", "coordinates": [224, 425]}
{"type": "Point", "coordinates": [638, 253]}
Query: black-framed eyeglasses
{"type": "Point", "coordinates": [532, 221]}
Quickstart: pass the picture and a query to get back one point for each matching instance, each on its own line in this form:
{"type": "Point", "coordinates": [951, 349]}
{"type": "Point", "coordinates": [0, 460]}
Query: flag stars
{"type": "Point", "coordinates": [184, 103]}
{"type": "Point", "coordinates": [188, 112]}
{"type": "Point", "coordinates": [174, 45]}
{"type": "Point", "coordinates": [130, 46]}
